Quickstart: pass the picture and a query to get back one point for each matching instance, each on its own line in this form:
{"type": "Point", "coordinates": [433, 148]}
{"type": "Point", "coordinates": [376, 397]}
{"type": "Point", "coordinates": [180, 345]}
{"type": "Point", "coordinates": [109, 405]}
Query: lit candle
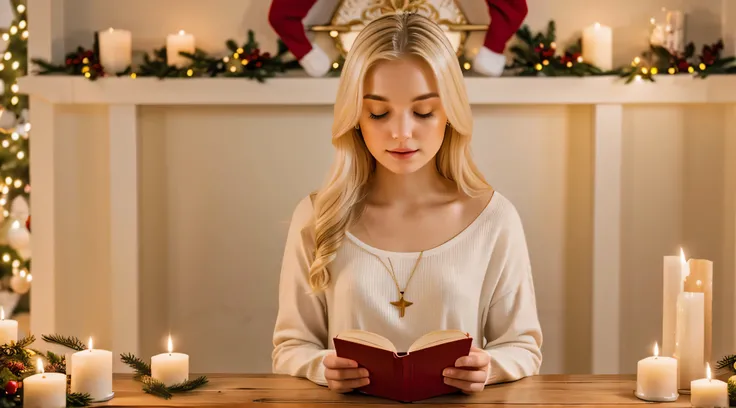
{"type": "Point", "coordinates": [170, 368]}
{"type": "Point", "coordinates": [675, 272]}
{"type": "Point", "coordinates": [597, 46]}
{"type": "Point", "coordinates": [700, 279]}
{"type": "Point", "coordinates": [689, 348]}
{"type": "Point", "coordinates": [656, 378]}
{"type": "Point", "coordinates": [8, 328]}
{"type": "Point", "coordinates": [116, 52]}
{"type": "Point", "coordinates": [92, 373]}
{"type": "Point", "coordinates": [708, 393]}
{"type": "Point", "coordinates": [176, 43]}
{"type": "Point", "coordinates": [44, 390]}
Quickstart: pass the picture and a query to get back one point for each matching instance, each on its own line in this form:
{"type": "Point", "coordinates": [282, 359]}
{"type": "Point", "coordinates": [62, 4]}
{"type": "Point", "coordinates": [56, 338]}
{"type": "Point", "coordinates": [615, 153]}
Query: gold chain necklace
{"type": "Point", "coordinates": [402, 303]}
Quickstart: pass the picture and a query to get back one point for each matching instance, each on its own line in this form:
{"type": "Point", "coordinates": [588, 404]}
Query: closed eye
{"type": "Point", "coordinates": [424, 115]}
{"type": "Point", "coordinates": [374, 116]}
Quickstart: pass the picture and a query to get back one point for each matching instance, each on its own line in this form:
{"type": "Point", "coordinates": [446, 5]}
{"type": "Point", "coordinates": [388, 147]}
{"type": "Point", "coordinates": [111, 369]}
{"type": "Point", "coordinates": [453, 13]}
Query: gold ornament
{"type": "Point", "coordinates": [351, 16]}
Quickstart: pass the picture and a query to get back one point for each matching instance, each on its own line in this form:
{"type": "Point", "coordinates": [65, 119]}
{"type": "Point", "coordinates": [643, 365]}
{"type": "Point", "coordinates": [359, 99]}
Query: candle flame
{"type": "Point", "coordinates": [707, 371]}
{"type": "Point", "coordinates": [656, 349]}
{"type": "Point", "coordinates": [39, 365]}
{"type": "Point", "coordinates": [182, 32]}
{"type": "Point", "coordinates": [597, 25]}
{"type": "Point", "coordinates": [682, 257]}
{"type": "Point", "coordinates": [90, 343]}
{"type": "Point", "coordinates": [2, 313]}
{"type": "Point", "coordinates": [171, 345]}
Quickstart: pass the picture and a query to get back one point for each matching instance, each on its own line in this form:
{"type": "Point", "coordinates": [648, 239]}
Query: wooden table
{"type": "Point", "coordinates": [273, 391]}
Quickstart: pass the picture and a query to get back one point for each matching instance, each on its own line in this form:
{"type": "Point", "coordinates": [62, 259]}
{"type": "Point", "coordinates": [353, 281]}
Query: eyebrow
{"type": "Point", "coordinates": [418, 98]}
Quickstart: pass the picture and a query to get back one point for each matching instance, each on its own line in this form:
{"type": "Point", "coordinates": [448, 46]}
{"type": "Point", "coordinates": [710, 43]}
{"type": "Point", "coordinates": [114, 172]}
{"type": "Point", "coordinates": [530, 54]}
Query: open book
{"type": "Point", "coordinates": [413, 375]}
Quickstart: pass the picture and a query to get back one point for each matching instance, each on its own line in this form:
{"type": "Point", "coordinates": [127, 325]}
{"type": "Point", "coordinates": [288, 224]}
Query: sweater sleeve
{"type": "Point", "coordinates": [300, 333]}
{"type": "Point", "coordinates": [512, 329]}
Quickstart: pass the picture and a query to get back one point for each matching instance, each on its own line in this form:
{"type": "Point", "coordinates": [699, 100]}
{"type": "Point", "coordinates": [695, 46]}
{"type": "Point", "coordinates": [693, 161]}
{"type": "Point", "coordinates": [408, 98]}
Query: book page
{"type": "Point", "coordinates": [437, 337]}
{"type": "Point", "coordinates": [367, 338]}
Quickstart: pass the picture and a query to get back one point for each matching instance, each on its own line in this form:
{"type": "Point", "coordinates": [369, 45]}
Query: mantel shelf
{"type": "Point", "coordinates": [679, 89]}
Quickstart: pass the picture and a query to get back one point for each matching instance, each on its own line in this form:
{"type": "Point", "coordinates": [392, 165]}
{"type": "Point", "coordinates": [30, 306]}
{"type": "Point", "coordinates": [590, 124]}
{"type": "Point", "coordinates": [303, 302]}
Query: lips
{"type": "Point", "coordinates": [403, 153]}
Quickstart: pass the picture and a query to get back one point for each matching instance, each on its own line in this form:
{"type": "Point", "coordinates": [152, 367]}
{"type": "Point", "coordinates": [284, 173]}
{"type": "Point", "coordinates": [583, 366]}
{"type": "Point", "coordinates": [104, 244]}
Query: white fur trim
{"type": "Point", "coordinates": [489, 63]}
{"type": "Point", "coordinates": [316, 63]}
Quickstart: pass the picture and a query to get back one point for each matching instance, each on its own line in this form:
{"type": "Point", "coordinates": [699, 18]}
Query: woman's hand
{"type": "Point", "coordinates": [470, 372]}
{"type": "Point", "coordinates": [343, 375]}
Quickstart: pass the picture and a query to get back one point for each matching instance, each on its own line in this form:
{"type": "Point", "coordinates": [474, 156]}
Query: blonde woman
{"type": "Point", "coordinates": [406, 236]}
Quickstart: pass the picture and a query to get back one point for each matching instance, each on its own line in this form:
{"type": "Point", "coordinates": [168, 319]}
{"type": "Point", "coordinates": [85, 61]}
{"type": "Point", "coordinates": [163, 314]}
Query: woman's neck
{"type": "Point", "coordinates": [421, 187]}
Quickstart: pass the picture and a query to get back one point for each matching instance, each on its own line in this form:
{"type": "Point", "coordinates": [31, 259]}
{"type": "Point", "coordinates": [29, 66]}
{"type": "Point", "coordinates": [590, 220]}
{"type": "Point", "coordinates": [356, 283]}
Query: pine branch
{"type": "Point", "coordinates": [69, 342]}
{"type": "Point", "coordinates": [727, 362]}
{"type": "Point", "coordinates": [142, 369]}
{"type": "Point", "coordinates": [155, 387]}
{"type": "Point", "coordinates": [77, 399]}
{"type": "Point", "coordinates": [54, 358]}
{"type": "Point", "coordinates": [189, 385]}
{"type": "Point", "coordinates": [731, 393]}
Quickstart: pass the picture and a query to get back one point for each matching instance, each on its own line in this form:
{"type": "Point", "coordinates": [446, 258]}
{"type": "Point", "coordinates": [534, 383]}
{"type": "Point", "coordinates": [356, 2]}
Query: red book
{"type": "Point", "coordinates": [407, 377]}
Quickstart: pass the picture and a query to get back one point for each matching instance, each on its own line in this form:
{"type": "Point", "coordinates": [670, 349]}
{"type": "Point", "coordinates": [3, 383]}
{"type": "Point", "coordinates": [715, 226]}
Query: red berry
{"type": "Point", "coordinates": [28, 223]}
{"type": "Point", "coordinates": [11, 387]}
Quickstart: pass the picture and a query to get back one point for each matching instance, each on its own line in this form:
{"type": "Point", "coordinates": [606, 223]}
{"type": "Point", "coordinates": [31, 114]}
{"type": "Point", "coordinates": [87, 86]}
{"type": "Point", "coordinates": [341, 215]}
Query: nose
{"type": "Point", "coordinates": [402, 129]}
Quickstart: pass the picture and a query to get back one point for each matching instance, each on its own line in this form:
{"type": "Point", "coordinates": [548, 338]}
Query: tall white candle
{"type": "Point", "coordinates": [656, 378]}
{"type": "Point", "coordinates": [44, 390]}
{"type": "Point", "coordinates": [708, 393]}
{"type": "Point", "coordinates": [674, 272]}
{"type": "Point", "coordinates": [8, 328]}
{"type": "Point", "coordinates": [690, 346]}
{"type": "Point", "coordinates": [116, 50]}
{"type": "Point", "coordinates": [92, 373]}
{"type": "Point", "coordinates": [597, 46]}
{"type": "Point", "coordinates": [170, 368]}
{"type": "Point", "coordinates": [175, 43]}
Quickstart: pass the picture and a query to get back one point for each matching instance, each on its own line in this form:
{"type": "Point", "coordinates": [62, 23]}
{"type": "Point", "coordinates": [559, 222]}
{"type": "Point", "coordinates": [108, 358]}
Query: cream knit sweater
{"type": "Point", "coordinates": [479, 282]}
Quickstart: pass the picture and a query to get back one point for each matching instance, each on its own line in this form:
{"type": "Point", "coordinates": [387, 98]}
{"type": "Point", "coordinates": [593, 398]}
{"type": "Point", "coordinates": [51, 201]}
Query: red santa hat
{"type": "Point", "coordinates": [285, 17]}
{"type": "Point", "coordinates": [506, 18]}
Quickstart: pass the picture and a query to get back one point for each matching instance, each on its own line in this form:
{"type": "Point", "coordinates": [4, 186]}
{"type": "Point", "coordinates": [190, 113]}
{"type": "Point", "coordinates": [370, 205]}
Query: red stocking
{"type": "Point", "coordinates": [506, 18]}
{"type": "Point", "coordinates": [285, 17]}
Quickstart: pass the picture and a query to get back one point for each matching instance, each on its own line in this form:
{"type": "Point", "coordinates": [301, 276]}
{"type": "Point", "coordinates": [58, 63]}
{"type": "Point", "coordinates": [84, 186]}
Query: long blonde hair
{"type": "Point", "coordinates": [337, 203]}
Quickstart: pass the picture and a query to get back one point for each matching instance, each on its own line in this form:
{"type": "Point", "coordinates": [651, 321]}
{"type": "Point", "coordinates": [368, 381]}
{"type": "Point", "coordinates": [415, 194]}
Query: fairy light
{"type": "Point", "coordinates": [13, 30]}
{"type": "Point", "coordinates": [6, 190]}
{"type": "Point", "coordinates": [18, 183]}
{"type": "Point", "coordinates": [22, 24]}
{"type": "Point", "coordinates": [690, 69]}
{"type": "Point", "coordinates": [702, 66]}
{"type": "Point", "coordinates": [21, 8]}
{"type": "Point", "coordinates": [133, 75]}
{"type": "Point", "coordinates": [8, 56]}
{"type": "Point", "coordinates": [654, 70]}
{"type": "Point", "coordinates": [538, 67]}
{"type": "Point", "coordinates": [6, 257]}
{"type": "Point", "coordinates": [25, 35]}
{"type": "Point", "coordinates": [580, 59]}
{"type": "Point", "coordinates": [16, 263]}
{"type": "Point", "coordinates": [244, 62]}
{"type": "Point", "coordinates": [15, 88]}
{"type": "Point", "coordinates": [190, 72]}
{"type": "Point", "coordinates": [569, 64]}
{"type": "Point", "coordinates": [336, 65]}
{"type": "Point", "coordinates": [27, 126]}
{"type": "Point", "coordinates": [6, 144]}
{"type": "Point", "coordinates": [545, 63]}
{"type": "Point", "coordinates": [8, 180]}
{"type": "Point", "coordinates": [226, 59]}
{"type": "Point", "coordinates": [6, 36]}
{"type": "Point", "coordinates": [21, 155]}
{"type": "Point", "coordinates": [14, 100]}
{"type": "Point", "coordinates": [233, 69]}
{"type": "Point", "coordinates": [671, 71]}
{"type": "Point", "coordinates": [236, 55]}
{"type": "Point", "coordinates": [16, 64]}
{"type": "Point", "coordinates": [240, 51]}
{"type": "Point", "coordinates": [333, 34]}
{"type": "Point", "coordinates": [644, 70]}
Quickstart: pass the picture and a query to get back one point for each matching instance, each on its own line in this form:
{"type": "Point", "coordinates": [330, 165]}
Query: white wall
{"type": "Point", "coordinates": [218, 185]}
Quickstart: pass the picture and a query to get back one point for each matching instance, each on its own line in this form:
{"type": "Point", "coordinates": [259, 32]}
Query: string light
{"type": "Point", "coordinates": [25, 35]}
{"type": "Point", "coordinates": [8, 180]}
{"type": "Point", "coordinates": [336, 65]}
{"type": "Point", "coordinates": [18, 183]}
{"type": "Point", "coordinates": [226, 59]}
{"type": "Point", "coordinates": [15, 136]}
{"type": "Point", "coordinates": [21, 8]}
{"type": "Point", "coordinates": [6, 144]}
{"type": "Point", "coordinates": [22, 24]}
{"type": "Point", "coordinates": [6, 190]}
{"type": "Point", "coordinates": [6, 36]}
{"type": "Point", "coordinates": [21, 155]}
{"type": "Point", "coordinates": [690, 69]}
{"type": "Point", "coordinates": [13, 30]}
{"type": "Point", "coordinates": [654, 70]}
{"type": "Point", "coordinates": [240, 51]}
{"type": "Point", "coordinates": [569, 64]}
{"type": "Point", "coordinates": [2, 66]}
{"type": "Point", "coordinates": [545, 63]}
{"type": "Point", "coordinates": [16, 263]}
{"type": "Point", "coordinates": [244, 62]}
{"type": "Point", "coordinates": [15, 88]}
{"type": "Point", "coordinates": [233, 69]}
{"type": "Point", "coordinates": [8, 56]}
{"type": "Point", "coordinates": [190, 72]}
{"type": "Point", "coordinates": [702, 66]}
{"type": "Point", "coordinates": [16, 64]}
{"type": "Point", "coordinates": [6, 257]}
{"type": "Point", "coordinates": [333, 34]}
{"type": "Point", "coordinates": [671, 71]}
{"type": "Point", "coordinates": [14, 100]}
{"type": "Point", "coordinates": [538, 67]}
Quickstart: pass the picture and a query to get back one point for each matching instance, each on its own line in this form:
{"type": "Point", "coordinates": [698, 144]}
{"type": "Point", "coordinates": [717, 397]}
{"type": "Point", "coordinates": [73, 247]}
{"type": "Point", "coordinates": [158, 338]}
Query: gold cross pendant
{"type": "Point", "coordinates": [402, 304]}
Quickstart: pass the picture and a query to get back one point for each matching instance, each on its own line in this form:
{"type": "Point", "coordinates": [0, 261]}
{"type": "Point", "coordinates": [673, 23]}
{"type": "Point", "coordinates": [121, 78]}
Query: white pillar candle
{"type": "Point", "coordinates": [176, 43]}
{"type": "Point", "coordinates": [690, 346]}
{"type": "Point", "coordinates": [44, 390]}
{"type": "Point", "coordinates": [92, 373]}
{"type": "Point", "coordinates": [597, 46]}
{"type": "Point", "coordinates": [170, 368]}
{"type": "Point", "coordinates": [8, 328]}
{"type": "Point", "coordinates": [656, 378]}
{"type": "Point", "coordinates": [116, 52]}
{"type": "Point", "coordinates": [708, 393]}
{"type": "Point", "coordinates": [675, 269]}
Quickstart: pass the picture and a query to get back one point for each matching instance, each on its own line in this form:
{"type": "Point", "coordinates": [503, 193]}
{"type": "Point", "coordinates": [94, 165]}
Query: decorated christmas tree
{"type": "Point", "coordinates": [15, 254]}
